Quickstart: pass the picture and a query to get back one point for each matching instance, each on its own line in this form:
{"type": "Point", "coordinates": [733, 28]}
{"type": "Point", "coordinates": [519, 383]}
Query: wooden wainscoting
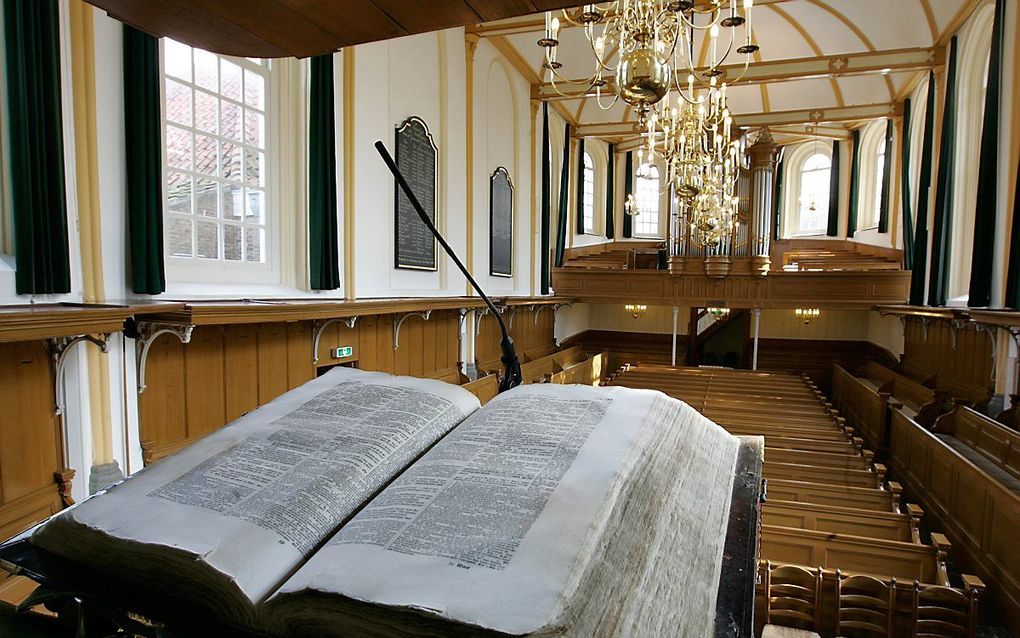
{"type": "Point", "coordinates": [531, 332]}
{"type": "Point", "coordinates": [980, 514]}
{"type": "Point", "coordinates": [956, 359]}
{"type": "Point", "coordinates": [229, 370]}
{"type": "Point", "coordinates": [31, 443]}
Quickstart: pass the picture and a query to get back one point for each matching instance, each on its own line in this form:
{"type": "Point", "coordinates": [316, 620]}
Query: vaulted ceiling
{"type": "Point", "coordinates": [826, 63]}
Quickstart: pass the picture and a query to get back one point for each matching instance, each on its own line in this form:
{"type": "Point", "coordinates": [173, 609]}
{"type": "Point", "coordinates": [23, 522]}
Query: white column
{"type": "Point", "coordinates": [676, 315]}
{"type": "Point", "coordinates": [757, 324]}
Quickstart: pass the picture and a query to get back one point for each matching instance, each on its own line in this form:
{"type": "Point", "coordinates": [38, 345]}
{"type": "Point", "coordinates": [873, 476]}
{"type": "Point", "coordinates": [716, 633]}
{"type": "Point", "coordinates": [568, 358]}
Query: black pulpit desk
{"type": "Point", "coordinates": [734, 607]}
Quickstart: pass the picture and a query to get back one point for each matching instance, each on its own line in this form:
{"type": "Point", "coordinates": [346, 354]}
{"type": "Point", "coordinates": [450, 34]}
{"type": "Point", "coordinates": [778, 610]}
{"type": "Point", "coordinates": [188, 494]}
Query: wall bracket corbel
{"type": "Point", "coordinates": [320, 327]}
{"type": "Point", "coordinates": [60, 348]}
{"type": "Point", "coordinates": [481, 313]}
{"type": "Point", "coordinates": [148, 332]}
{"type": "Point", "coordinates": [397, 323]}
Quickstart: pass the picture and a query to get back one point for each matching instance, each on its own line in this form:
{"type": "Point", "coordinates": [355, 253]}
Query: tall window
{"type": "Point", "coordinates": [216, 161]}
{"type": "Point", "coordinates": [814, 195]}
{"type": "Point", "coordinates": [646, 195]}
{"type": "Point", "coordinates": [876, 209]}
{"type": "Point", "coordinates": [589, 194]}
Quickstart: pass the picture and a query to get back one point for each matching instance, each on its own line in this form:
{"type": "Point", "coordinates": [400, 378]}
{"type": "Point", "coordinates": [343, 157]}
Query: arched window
{"type": "Point", "coordinates": [806, 189]}
{"type": "Point", "coordinates": [814, 195]}
{"type": "Point", "coordinates": [972, 79]}
{"type": "Point", "coordinates": [646, 194]}
{"type": "Point", "coordinates": [870, 174]}
{"type": "Point", "coordinates": [589, 194]}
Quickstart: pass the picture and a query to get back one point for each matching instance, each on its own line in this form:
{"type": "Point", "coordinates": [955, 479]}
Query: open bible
{"type": "Point", "coordinates": [363, 504]}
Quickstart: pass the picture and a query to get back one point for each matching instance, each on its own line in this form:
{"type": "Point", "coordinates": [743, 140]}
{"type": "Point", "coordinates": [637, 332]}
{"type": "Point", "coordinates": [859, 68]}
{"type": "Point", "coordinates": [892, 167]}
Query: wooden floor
{"type": "Point", "coordinates": [830, 508]}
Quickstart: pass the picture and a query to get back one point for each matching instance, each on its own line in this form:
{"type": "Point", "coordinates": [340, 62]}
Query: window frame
{"type": "Point", "coordinates": [199, 271]}
{"type": "Point", "coordinates": [591, 225]}
{"type": "Point", "coordinates": [659, 197]}
{"type": "Point", "coordinates": [869, 183]}
{"type": "Point", "coordinates": [795, 161]}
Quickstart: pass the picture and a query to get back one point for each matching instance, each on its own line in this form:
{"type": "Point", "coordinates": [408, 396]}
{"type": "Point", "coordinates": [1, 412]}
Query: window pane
{"type": "Point", "coordinates": [879, 176]}
{"type": "Point", "coordinates": [254, 168]}
{"type": "Point", "coordinates": [178, 190]}
{"type": "Point", "coordinates": [230, 121]}
{"type": "Point", "coordinates": [256, 205]}
{"type": "Point", "coordinates": [205, 155]}
{"type": "Point", "coordinates": [647, 199]}
{"type": "Point", "coordinates": [179, 234]}
{"type": "Point", "coordinates": [230, 80]}
{"type": "Point", "coordinates": [205, 198]}
{"type": "Point", "coordinates": [177, 59]}
{"type": "Point", "coordinates": [814, 195]}
{"type": "Point", "coordinates": [232, 205]}
{"type": "Point", "coordinates": [178, 148]}
{"type": "Point", "coordinates": [208, 243]}
{"type": "Point", "coordinates": [232, 242]}
{"type": "Point", "coordinates": [206, 70]}
{"type": "Point", "coordinates": [178, 102]}
{"type": "Point", "coordinates": [230, 158]}
{"type": "Point", "coordinates": [254, 129]}
{"type": "Point", "coordinates": [205, 112]}
{"type": "Point", "coordinates": [254, 244]}
{"type": "Point", "coordinates": [254, 89]}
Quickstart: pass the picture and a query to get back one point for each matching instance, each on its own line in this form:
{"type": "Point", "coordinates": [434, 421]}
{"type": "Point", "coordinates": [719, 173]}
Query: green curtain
{"type": "Point", "coordinates": [580, 187]}
{"type": "Point", "coordinates": [628, 190]}
{"type": "Point", "coordinates": [611, 193]}
{"type": "Point", "coordinates": [777, 200]}
{"type": "Point", "coordinates": [323, 249]}
{"type": "Point", "coordinates": [988, 174]}
{"type": "Point", "coordinates": [883, 209]}
{"type": "Point", "coordinates": [144, 154]}
{"type": "Point", "coordinates": [36, 145]}
{"type": "Point", "coordinates": [546, 199]}
{"type": "Point", "coordinates": [1013, 278]}
{"type": "Point", "coordinates": [561, 223]}
{"type": "Point", "coordinates": [855, 184]}
{"type": "Point", "coordinates": [919, 273]}
{"type": "Point", "coordinates": [908, 214]}
{"type": "Point", "coordinates": [938, 286]}
{"type": "Point", "coordinates": [834, 180]}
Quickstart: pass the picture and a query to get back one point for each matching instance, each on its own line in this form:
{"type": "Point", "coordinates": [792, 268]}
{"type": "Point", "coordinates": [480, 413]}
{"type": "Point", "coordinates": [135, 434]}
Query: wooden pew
{"type": "Point", "coordinates": [818, 459]}
{"type": "Point", "coordinates": [987, 443]}
{"type": "Point", "coordinates": [978, 511]}
{"type": "Point", "coordinates": [861, 498]}
{"type": "Point", "coordinates": [825, 475]}
{"type": "Point", "coordinates": [485, 388]}
{"type": "Point", "coordinates": [928, 404]}
{"type": "Point", "coordinates": [890, 559]}
{"type": "Point", "coordinates": [844, 520]}
{"type": "Point", "coordinates": [539, 370]}
{"type": "Point", "coordinates": [588, 372]}
{"type": "Point", "coordinates": [864, 407]}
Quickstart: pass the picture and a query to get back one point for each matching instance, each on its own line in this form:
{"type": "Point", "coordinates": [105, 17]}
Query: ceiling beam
{"type": "Point", "coordinates": [536, 24]}
{"type": "Point", "coordinates": [891, 61]}
{"type": "Point", "coordinates": [856, 113]}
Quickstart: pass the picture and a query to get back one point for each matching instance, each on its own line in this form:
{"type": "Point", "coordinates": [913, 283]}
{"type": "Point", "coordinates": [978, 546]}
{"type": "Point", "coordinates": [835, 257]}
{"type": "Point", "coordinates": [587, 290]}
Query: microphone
{"type": "Point", "coordinates": [511, 364]}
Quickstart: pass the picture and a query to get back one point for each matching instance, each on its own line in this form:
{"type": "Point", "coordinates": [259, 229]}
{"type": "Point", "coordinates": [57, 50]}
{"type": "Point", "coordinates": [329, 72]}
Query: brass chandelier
{"type": "Point", "coordinates": [655, 44]}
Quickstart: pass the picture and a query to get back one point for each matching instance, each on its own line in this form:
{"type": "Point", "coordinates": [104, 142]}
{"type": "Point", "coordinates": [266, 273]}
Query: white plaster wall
{"type": "Point", "coordinates": [836, 325]}
{"type": "Point", "coordinates": [886, 332]}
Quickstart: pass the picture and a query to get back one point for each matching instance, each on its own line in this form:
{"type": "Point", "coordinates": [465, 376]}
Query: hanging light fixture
{"type": "Point", "coordinates": [635, 310]}
{"type": "Point", "coordinates": [807, 314]}
{"type": "Point", "coordinates": [719, 313]}
{"type": "Point", "coordinates": [648, 46]}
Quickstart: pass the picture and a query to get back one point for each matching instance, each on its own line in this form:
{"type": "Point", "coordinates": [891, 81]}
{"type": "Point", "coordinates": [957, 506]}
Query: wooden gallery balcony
{"type": "Point", "coordinates": [815, 273]}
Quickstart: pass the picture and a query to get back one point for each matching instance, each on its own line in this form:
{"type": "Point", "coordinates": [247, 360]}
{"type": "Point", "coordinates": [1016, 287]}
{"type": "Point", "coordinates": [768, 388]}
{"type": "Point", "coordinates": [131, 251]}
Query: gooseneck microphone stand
{"type": "Point", "coordinates": [511, 364]}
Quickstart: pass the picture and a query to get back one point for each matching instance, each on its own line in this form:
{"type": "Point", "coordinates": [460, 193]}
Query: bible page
{"type": "Point", "coordinates": [252, 500]}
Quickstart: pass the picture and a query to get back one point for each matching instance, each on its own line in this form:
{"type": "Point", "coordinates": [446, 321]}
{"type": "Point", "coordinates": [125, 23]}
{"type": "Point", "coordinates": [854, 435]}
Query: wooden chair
{"type": "Point", "coordinates": [865, 606]}
{"type": "Point", "coordinates": [792, 601]}
{"type": "Point", "coordinates": [944, 612]}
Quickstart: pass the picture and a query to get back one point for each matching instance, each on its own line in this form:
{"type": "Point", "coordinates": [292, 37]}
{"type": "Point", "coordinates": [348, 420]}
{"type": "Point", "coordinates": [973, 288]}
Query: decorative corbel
{"type": "Point", "coordinates": [955, 326]}
{"type": "Point", "coordinates": [481, 313]}
{"type": "Point", "coordinates": [397, 323]}
{"type": "Point", "coordinates": [993, 337]}
{"type": "Point", "coordinates": [320, 327]}
{"type": "Point", "coordinates": [146, 333]}
{"type": "Point", "coordinates": [59, 348]}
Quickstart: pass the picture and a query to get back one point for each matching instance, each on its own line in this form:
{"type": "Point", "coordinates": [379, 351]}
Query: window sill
{"type": "Point", "coordinates": [864, 230]}
{"type": "Point", "coordinates": [246, 291]}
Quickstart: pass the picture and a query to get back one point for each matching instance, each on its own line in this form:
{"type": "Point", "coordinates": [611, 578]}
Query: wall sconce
{"type": "Point", "coordinates": [719, 313]}
{"type": "Point", "coordinates": [807, 314]}
{"type": "Point", "coordinates": [635, 310]}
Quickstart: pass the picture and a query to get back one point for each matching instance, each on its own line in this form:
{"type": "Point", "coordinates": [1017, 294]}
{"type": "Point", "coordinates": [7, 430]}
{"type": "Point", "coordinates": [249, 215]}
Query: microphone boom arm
{"type": "Point", "coordinates": [511, 363]}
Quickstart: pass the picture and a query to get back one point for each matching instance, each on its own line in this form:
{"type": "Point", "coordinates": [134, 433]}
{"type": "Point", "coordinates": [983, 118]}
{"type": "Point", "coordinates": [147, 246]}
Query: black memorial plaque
{"type": "Point", "coordinates": [501, 224]}
{"type": "Point", "coordinates": [417, 156]}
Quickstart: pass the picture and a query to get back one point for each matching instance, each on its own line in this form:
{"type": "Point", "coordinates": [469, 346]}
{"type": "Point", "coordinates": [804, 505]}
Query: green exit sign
{"type": "Point", "coordinates": [343, 352]}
